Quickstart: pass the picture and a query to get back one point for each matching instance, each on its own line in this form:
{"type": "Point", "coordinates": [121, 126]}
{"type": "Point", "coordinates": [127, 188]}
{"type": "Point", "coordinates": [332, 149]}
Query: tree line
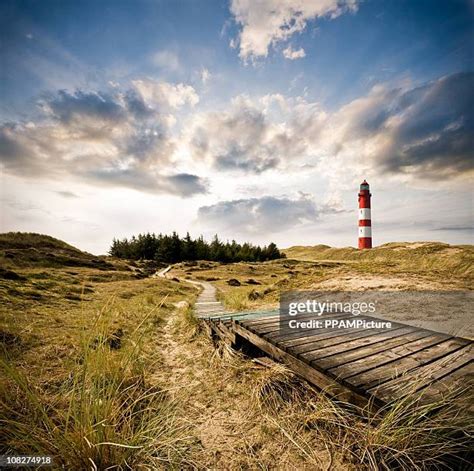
{"type": "Point", "coordinates": [173, 249]}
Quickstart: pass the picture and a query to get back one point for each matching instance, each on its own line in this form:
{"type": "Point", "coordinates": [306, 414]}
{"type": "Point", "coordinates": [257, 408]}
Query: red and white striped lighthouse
{"type": "Point", "coordinates": [365, 222]}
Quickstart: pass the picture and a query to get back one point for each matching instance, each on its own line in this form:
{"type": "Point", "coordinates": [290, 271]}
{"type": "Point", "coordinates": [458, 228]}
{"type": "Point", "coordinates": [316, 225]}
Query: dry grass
{"type": "Point", "coordinates": [236, 300]}
{"type": "Point", "coordinates": [104, 416]}
{"type": "Point", "coordinates": [404, 435]}
{"type": "Point", "coordinates": [168, 398]}
{"type": "Point", "coordinates": [77, 368]}
{"type": "Point", "coordinates": [163, 397]}
{"type": "Point", "coordinates": [256, 417]}
{"type": "Point", "coordinates": [434, 260]}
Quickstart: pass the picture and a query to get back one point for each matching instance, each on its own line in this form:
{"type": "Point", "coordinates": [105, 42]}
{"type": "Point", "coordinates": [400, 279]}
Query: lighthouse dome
{"type": "Point", "coordinates": [364, 185]}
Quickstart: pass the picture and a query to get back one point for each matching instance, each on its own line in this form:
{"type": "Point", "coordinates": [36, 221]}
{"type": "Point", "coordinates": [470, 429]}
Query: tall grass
{"type": "Point", "coordinates": [411, 434]}
{"type": "Point", "coordinates": [235, 300]}
{"type": "Point", "coordinates": [186, 324]}
{"type": "Point", "coordinates": [104, 415]}
{"type": "Point", "coordinates": [408, 434]}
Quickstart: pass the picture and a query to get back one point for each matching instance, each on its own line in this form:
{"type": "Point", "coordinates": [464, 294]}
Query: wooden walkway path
{"type": "Point", "coordinates": [360, 366]}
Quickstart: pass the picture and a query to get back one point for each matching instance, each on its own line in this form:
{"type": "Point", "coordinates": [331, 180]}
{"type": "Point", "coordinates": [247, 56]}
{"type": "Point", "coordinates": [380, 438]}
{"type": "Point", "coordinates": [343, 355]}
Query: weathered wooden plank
{"type": "Point", "coordinates": [209, 307]}
{"type": "Point", "coordinates": [259, 324]}
{"type": "Point", "coordinates": [399, 337]}
{"type": "Point", "coordinates": [458, 386]}
{"type": "Point", "coordinates": [322, 381]}
{"type": "Point", "coordinates": [290, 342]}
{"type": "Point", "coordinates": [215, 314]}
{"type": "Point", "coordinates": [311, 336]}
{"type": "Point", "coordinates": [207, 328]}
{"type": "Point", "coordinates": [260, 320]}
{"type": "Point", "coordinates": [382, 358]}
{"type": "Point", "coordinates": [274, 327]}
{"type": "Point", "coordinates": [287, 331]}
{"type": "Point", "coordinates": [224, 332]}
{"type": "Point", "coordinates": [423, 376]}
{"type": "Point", "coordinates": [212, 317]}
{"type": "Point", "coordinates": [352, 343]}
{"type": "Point", "coordinates": [236, 315]}
{"type": "Point", "coordinates": [310, 351]}
{"type": "Point", "coordinates": [396, 368]}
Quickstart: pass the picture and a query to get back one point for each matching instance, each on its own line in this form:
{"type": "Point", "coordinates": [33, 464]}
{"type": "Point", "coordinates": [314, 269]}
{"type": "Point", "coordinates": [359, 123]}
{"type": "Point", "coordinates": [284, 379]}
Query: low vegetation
{"type": "Point", "coordinates": [76, 351]}
{"type": "Point", "coordinates": [104, 367]}
{"type": "Point", "coordinates": [402, 266]}
{"type": "Point", "coordinates": [434, 260]}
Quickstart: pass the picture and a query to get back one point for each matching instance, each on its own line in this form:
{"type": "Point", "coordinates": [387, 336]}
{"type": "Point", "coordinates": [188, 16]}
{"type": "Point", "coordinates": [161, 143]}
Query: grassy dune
{"type": "Point", "coordinates": [396, 266]}
{"type": "Point", "coordinates": [430, 258]}
{"type": "Point", "coordinates": [104, 367]}
{"type": "Point", "coordinates": [76, 364]}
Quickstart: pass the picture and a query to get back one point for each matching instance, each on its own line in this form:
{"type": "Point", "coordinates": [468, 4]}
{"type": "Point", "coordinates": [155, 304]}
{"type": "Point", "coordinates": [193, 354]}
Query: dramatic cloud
{"type": "Point", "coordinates": [256, 215]}
{"type": "Point", "coordinates": [426, 132]}
{"type": "Point", "coordinates": [129, 138]}
{"type": "Point", "coordinates": [265, 23]}
{"type": "Point", "coordinates": [166, 94]}
{"type": "Point", "coordinates": [291, 54]}
{"type": "Point", "coordinates": [122, 138]}
{"type": "Point", "coordinates": [250, 136]}
{"type": "Point", "coordinates": [68, 108]}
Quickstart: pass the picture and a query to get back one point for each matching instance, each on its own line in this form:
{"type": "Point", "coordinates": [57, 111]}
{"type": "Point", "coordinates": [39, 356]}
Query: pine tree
{"type": "Point", "coordinates": [173, 249]}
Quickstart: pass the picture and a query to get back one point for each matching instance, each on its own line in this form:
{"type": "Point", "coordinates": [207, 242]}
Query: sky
{"type": "Point", "coordinates": [253, 119]}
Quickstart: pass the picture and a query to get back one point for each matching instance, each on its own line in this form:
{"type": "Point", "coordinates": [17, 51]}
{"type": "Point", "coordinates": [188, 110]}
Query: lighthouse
{"type": "Point", "coordinates": [365, 222]}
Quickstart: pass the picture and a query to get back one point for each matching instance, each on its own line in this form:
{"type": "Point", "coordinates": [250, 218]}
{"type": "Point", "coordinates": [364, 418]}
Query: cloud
{"type": "Point", "coordinates": [248, 137]}
{"type": "Point", "coordinates": [120, 138]}
{"type": "Point", "coordinates": [291, 54]}
{"type": "Point", "coordinates": [166, 94]}
{"type": "Point", "coordinates": [455, 228]}
{"type": "Point", "coordinates": [265, 23]}
{"type": "Point", "coordinates": [424, 133]}
{"type": "Point", "coordinates": [205, 75]}
{"type": "Point", "coordinates": [256, 215]}
{"type": "Point", "coordinates": [127, 137]}
{"type": "Point", "coordinates": [66, 194]}
{"type": "Point", "coordinates": [167, 60]}
{"type": "Point", "coordinates": [181, 184]}
{"type": "Point", "coordinates": [68, 107]}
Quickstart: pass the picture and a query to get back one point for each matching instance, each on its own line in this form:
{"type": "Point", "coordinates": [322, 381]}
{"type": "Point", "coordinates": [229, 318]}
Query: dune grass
{"type": "Point", "coordinates": [165, 398]}
{"type": "Point", "coordinates": [100, 369]}
{"type": "Point", "coordinates": [77, 374]}
{"type": "Point", "coordinates": [236, 300]}
{"type": "Point", "coordinates": [406, 434]}
{"type": "Point", "coordinates": [105, 415]}
{"type": "Point", "coordinates": [431, 258]}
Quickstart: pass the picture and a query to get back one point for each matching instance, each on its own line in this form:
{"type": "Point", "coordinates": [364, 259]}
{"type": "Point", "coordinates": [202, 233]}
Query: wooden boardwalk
{"type": "Point", "coordinates": [361, 366]}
